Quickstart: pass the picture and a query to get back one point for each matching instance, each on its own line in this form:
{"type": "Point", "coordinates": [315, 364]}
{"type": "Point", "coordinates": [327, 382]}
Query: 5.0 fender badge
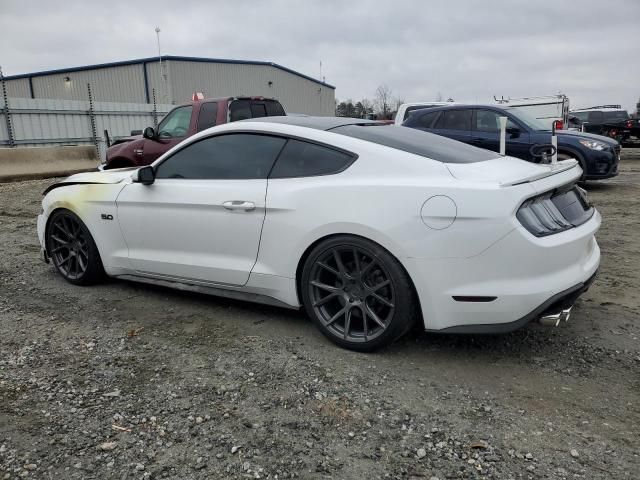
{"type": "Point", "coordinates": [106, 216]}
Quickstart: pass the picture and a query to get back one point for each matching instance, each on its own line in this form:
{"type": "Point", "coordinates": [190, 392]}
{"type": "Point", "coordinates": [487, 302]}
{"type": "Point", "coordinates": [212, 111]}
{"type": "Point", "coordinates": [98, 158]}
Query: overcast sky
{"type": "Point", "coordinates": [467, 50]}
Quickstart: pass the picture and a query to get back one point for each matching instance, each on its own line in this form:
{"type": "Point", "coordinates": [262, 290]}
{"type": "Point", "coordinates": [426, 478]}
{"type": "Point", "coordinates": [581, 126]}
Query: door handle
{"type": "Point", "coordinates": [239, 205]}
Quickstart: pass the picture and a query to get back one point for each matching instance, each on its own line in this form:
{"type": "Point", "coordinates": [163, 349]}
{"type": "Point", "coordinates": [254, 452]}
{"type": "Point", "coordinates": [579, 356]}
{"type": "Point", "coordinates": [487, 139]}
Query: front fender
{"type": "Point", "coordinates": [95, 205]}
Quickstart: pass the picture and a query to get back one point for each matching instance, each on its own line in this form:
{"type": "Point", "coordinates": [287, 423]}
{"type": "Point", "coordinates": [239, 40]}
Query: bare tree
{"type": "Point", "coordinates": [367, 107]}
{"type": "Point", "coordinates": [383, 101]}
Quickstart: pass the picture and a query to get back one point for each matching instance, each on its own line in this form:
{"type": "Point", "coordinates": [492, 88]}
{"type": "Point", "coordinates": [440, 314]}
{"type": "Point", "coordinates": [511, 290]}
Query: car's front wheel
{"type": "Point", "coordinates": [357, 293]}
{"type": "Point", "coordinates": [72, 249]}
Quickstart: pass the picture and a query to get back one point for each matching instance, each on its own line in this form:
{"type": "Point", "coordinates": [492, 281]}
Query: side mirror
{"type": "Point", "coordinates": [145, 175]}
{"type": "Point", "coordinates": [149, 133]}
{"type": "Point", "coordinates": [514, 132]}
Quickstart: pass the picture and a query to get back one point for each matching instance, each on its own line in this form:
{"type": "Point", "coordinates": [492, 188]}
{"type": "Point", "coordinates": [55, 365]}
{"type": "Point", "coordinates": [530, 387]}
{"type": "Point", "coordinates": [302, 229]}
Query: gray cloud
{"type": "Point", "coordinates": [468, 50]}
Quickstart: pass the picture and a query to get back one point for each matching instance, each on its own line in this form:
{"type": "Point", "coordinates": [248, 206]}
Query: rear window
{"type": "Point", "coordinates": [274, 109]}
{"type": "Point", "coordinates": [258, 110]}
{"type": "Point", "coordinates": [245, 108]}
{"type": "Point", "coordinates": [421, 143]}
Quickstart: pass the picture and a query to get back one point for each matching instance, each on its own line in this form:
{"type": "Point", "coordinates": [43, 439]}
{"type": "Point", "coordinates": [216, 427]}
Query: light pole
{"type": "Point", "coordinates": [163, 77]}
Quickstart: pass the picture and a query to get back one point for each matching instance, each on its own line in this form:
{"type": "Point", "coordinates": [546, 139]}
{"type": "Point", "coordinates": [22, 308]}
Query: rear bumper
{"type": "Point", "coordinates": [557, 303]}
{"type": "Point", "coordinates": [507, 285]}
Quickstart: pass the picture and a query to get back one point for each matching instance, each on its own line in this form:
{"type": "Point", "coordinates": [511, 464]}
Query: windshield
{"type": "Point", "coordinates": [529, 120]}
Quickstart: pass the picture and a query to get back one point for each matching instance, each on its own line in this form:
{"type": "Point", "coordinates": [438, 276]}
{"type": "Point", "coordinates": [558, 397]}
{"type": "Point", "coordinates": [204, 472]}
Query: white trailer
{"type": "Point", "coordinates": [549, 108]}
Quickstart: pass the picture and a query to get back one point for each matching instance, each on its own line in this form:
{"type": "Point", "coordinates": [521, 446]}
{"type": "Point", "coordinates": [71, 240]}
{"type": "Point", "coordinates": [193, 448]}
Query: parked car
{"type": "Point", "coordinates": [608, 120]}
{"type": "Point", "coordinates": [182, 122]}
{"type": "Point", "coordinates": [370, 227]}
{"type": "Point", "coordinates": [406, 109]}
{"type": "Point", "coordinates": [478, 125]}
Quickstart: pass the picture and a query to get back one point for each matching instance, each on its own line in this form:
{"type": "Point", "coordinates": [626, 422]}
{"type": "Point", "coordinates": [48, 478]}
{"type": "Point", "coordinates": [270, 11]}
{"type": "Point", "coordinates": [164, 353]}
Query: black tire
{"type": "Point", "coordinates": [363, 301]}
{"type": "Point", "coordinates": [72, 250]}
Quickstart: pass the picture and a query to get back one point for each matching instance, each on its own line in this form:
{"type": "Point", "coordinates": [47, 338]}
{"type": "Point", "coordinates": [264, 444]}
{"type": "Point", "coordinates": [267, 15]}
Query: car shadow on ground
{"type": "Point", "coordinates": [274, 323]}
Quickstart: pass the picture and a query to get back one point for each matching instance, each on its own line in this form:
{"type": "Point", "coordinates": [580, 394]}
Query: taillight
{"type": "Point", "coordinates": [554, 212]}
{"type": "Point", "coordinates": [629, 123]}
{"type": "Point", "coordinates": [558, 124]}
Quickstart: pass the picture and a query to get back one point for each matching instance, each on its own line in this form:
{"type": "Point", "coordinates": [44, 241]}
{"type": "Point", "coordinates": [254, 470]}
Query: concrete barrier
{"type": "Point", "coordinates": [23, 163]}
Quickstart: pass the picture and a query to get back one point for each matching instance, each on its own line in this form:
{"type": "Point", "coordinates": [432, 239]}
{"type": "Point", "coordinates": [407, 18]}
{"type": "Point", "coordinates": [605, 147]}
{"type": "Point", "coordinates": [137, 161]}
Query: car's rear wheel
{"type": "Point", "coordinates": [72, 249]}
{"type": "Point", "coordinates": [357, 293]}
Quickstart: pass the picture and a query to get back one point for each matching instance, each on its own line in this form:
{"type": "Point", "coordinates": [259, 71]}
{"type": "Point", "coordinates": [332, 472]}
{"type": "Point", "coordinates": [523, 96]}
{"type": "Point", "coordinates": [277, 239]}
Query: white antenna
{"type": "Point", "coordinates": [320, 68]}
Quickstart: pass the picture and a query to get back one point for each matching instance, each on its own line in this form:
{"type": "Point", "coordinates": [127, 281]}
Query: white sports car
{"type": "Point", "coordinates": [369, 227]}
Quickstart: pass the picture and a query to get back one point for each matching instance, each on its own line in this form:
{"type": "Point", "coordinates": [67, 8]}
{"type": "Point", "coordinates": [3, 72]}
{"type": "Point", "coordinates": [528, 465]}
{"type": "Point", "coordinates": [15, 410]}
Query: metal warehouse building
{"type": "Point", "coordinates": [174, 79]}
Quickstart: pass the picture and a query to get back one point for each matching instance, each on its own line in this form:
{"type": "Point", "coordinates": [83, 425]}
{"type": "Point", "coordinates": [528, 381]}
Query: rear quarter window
{"type": "Point", "coordinates": [455, 120]}
{"type": "Point", "coordinates": [426, 120]}
{"type": "Point", "coordinates": [304, 159]}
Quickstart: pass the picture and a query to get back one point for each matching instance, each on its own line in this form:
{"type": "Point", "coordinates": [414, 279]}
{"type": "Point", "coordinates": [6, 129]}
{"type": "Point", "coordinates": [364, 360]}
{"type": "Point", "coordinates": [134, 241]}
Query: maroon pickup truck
{"type": "Point", "coordinates": [184, 121]}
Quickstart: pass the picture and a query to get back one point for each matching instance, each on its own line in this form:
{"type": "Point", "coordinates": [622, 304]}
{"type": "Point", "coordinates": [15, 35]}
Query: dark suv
{"type": "Point", "coordinates": [479, 126]}
{"type": "Point", "coordinates": [608, 120]}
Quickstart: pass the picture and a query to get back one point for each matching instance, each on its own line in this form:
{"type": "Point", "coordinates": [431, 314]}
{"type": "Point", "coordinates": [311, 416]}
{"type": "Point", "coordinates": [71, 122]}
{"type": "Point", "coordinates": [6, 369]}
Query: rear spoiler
{"type": "Point", "coordinates": [554, 169]}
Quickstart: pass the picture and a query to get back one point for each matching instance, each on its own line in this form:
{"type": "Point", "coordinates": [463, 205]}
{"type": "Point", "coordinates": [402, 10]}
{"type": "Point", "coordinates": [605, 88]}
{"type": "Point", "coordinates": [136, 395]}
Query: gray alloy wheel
{"type": "Point", "coordinates": [72, 249]}
{"type": "Point", "coordinates": [357, 293]}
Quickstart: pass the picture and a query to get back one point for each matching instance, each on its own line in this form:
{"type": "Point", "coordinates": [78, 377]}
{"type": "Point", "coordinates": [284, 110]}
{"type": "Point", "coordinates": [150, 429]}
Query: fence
{"type": "Point", "coordinates": [50, 122]}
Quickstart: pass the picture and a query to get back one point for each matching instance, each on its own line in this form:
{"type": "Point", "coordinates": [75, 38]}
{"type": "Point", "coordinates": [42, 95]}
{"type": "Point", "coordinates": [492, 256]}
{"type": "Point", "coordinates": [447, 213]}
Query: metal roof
{"type": "Point", "coordinates": [164, 58]}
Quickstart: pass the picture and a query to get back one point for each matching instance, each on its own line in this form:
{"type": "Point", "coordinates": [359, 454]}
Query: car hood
{"type": "Point", "coordinates": [507, 171]}
{"type": "Point", "coordinates": [576, 135]}
{"type": "Point", "coordinates": [100, 177]}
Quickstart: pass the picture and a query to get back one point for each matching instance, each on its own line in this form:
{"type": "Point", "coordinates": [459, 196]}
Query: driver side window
{"type": "Point", "coordinates": [176, 123]}
{"type": "Point", "coordinates": [239, 156]}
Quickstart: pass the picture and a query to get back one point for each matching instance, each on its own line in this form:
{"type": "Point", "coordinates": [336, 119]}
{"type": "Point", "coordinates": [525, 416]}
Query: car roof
{"type": "Point", "coordinates": [458, 106]}
{"type": "Point", "coordinates": [319, 123]}
{"type": "Point", "coordinates": [419, 104]}
{"type": "Point", "coordinates": [580, 110]}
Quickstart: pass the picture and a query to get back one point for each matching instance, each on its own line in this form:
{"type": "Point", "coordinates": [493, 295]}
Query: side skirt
{"type": "Point", "coordinates": [209, 290]}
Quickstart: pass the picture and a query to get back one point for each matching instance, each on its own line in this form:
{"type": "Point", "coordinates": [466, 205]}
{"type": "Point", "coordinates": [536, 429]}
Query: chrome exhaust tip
{"type": "Point", "coordinates": [554, 319]}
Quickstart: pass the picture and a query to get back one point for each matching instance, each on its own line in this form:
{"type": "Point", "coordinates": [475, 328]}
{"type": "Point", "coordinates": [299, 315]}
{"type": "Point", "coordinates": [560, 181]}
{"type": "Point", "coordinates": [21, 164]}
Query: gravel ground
{"type": "Point", "coordinates": [128, 381]}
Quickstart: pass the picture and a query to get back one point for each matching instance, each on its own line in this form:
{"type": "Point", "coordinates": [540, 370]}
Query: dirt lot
{"type": "Point", "coordinates": [130, 381]}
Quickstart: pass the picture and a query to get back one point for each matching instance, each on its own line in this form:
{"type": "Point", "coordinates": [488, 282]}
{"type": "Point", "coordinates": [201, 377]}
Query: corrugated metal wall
{"type": "Point", "coordinates": [116, 84]}
{"type": "Point", "coordinates": [18, 88]}
{"type": "Point", "coordinates": [126, 83]}
{"type": "Point", "coordinates": [297, 94]}
{"type": "Point", "coordinates": [47, 122]}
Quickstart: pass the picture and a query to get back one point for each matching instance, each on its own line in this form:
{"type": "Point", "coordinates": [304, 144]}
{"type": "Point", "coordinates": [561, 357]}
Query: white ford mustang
{"type": "Point", "coordinates": [369, 227]}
